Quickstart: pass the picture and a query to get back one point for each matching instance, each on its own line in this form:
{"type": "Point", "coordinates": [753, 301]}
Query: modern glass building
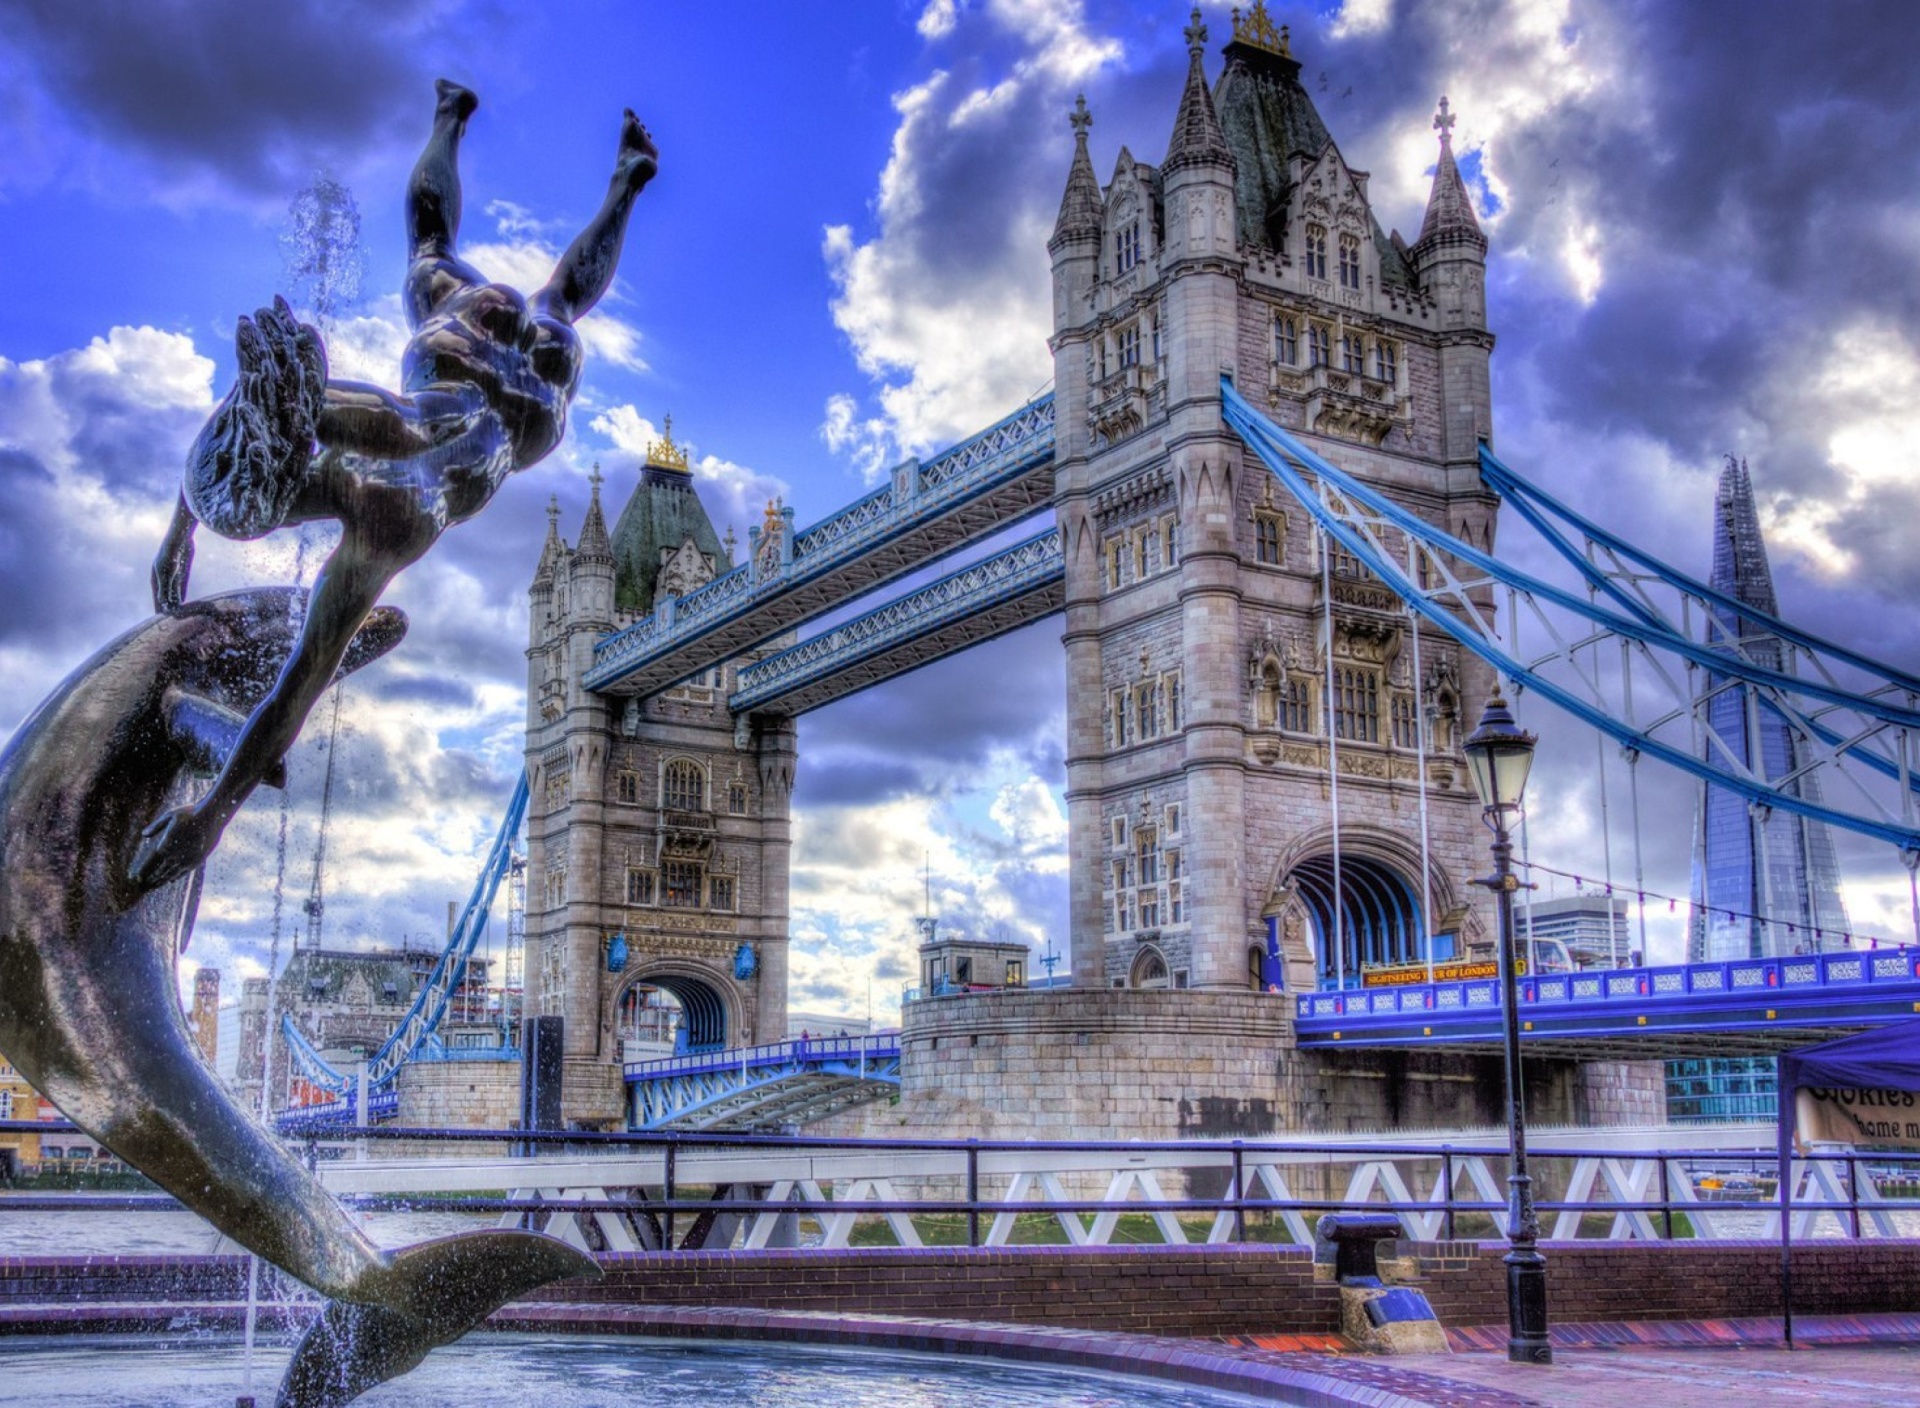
{"type": "Point", "coordinates": [1765, 884]}
{"type": "Point", "coordinates": [1710, 1090]}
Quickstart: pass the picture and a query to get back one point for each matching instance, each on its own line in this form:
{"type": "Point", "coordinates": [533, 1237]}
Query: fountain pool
{"type": "Point", "coordinates": [573, 1372]}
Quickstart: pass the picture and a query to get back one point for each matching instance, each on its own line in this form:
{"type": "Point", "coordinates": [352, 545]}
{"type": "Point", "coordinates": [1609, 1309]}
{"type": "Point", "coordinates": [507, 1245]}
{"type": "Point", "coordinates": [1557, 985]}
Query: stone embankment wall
{"type": "Point", "coordinates": [1125, 1063]}
{"type": "Point", "coordinates": [1182, 1291]}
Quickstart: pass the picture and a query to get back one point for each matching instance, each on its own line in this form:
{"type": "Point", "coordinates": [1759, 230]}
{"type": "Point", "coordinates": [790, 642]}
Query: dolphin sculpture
{"type": "Point", "coordinates": [89, 1006]}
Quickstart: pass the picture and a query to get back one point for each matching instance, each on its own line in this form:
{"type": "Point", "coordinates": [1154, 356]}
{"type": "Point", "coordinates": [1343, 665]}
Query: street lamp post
{"type": "Point", "coordinates": [1499, 755]}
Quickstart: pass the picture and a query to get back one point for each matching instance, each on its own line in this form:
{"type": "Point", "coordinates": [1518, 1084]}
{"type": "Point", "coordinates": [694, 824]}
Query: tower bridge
{"type": "Point", "coordinates": [1272, 547]}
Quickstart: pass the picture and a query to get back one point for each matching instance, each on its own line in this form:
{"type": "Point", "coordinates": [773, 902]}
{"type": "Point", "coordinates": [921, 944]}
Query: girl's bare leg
{"type": "Point", "coordinates": [433, 197]}
{"type": "Point", "coordinates": [586, 269]}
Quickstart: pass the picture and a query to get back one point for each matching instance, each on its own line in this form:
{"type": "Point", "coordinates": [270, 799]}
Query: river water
{"type": "Point", "coordinates": [177, 1232]}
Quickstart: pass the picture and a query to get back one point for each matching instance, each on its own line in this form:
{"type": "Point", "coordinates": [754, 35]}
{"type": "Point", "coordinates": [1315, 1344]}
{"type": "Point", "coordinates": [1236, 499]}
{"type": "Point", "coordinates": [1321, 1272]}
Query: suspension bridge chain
{"type": "Point", "coordinates": [1852, 717]}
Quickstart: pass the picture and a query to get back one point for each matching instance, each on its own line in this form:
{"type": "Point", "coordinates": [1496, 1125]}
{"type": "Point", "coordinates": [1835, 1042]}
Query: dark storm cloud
{"type": "Point", "coordinates": [434, 691]}
{"type": "Point", "coordinates": [247, 91]}
{"type": "Point", "coordinates": [932, 729]}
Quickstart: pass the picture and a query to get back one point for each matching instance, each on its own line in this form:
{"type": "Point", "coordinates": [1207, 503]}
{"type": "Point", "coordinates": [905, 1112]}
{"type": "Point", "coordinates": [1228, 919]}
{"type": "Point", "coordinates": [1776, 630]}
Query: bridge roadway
{"type": "Point", "coordinates": [779, 1085]}
{"type": "Point", "coordinates": [1754, 1007]}
{"type": "Point", "coordinates": [925, 512]}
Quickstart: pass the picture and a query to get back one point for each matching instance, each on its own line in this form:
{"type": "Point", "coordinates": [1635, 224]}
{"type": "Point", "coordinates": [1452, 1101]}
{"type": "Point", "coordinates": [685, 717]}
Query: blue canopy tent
{"type": "Point", "coordinates": [1862, 1089]}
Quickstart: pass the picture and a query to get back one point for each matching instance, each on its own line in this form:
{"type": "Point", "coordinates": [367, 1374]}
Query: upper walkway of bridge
{"type": "Point", "coordinates": [924, 512]}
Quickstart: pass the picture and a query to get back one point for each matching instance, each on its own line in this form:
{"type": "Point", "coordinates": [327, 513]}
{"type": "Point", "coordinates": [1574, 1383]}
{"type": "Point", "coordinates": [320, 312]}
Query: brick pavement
{"type": "Point", "coordinates": [1752, 1376]}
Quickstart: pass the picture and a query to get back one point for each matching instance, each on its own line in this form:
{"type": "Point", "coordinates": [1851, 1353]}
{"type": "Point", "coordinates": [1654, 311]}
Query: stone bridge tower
{"type": "Point", "coordinates": [658, 832]}
{"type": "Point", "coordinates": [1231, 690]}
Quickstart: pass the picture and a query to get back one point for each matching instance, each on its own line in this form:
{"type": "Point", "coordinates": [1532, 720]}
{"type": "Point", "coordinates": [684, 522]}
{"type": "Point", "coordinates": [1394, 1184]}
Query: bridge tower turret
{"type": "Point", "coordinates": [662, 820]}
{"type": "Point", "coordinates": [1220, 837]}
{"type": "Point", "coordinates": [1450, 258]}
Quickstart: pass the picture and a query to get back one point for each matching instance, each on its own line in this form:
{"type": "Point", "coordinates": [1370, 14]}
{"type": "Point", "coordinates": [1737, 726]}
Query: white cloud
{"type": "Point", "coordinates": [1357, 17]}
{"type": "Point", "coordinates": [951, 329]}
{"type": "Point", "coordinates": [1863, 396]}
{"type": "Point", "coordinates": [937, 20]}
{"type": "Point", "coordinates": [986, 853]}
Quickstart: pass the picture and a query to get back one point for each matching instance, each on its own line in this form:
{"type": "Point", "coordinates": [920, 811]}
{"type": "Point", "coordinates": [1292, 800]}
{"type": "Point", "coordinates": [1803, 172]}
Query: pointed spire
{"type": "Point", "coordinates": [1080, 207]}
{"type": "Point", "coordinates": [1450, 218]}
{"type": "Point", "coordinates": [1197, 138]}
{"type": "Point", "coordinates": [1740, 566]}
{"type": "Point", "coordinates": [553, 549]}
{"type": "Point", "coordinates": [594, 544]}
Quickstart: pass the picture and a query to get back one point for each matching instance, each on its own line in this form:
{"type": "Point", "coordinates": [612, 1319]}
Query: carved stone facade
{"type": "Point", "coordinates": [658, 829]}
{"type": "Point", "coordinates": [1211, 649]}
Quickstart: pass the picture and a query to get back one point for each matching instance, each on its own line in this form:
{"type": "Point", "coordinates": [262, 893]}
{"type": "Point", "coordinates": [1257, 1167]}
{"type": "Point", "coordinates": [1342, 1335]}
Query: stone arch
{"type": "Point", "coordinates": [1379, 901]}
{"type": "Point", "coordinates": [710, 1005]}
{"type": "Point", "coordinates": [1150, 969]}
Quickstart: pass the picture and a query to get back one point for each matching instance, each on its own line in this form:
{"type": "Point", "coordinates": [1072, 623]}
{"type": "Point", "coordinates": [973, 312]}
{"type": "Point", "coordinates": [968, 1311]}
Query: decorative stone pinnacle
{"type": "Point", "coordinates": [1080, 118]}
{"type": "Point", "coordinates": [596, 479]}
{"type": "Point", "coordinates": [1196, 34]}
{"type": "Point", "coordinates": [1443, 123]}
{"type": "Point", "coordinates": [553, 512]}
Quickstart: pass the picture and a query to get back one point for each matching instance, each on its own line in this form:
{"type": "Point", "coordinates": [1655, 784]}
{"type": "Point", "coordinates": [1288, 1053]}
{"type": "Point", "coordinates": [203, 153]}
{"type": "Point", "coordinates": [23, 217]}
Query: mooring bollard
{"type": "Point", "coordinates": [1387, 1320]}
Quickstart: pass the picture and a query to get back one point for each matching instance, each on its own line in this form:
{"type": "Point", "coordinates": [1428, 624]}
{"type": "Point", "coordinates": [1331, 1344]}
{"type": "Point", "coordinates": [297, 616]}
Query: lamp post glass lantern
{"type": "Point", "coordinates": [1499, 756]}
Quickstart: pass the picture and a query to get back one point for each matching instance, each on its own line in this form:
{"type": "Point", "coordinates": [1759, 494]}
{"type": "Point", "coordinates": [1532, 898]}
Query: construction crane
{"type": "Point", "coordinates": [315, 905]}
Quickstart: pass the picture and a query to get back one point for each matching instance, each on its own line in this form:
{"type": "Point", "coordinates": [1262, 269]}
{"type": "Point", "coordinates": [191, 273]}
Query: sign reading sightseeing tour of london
{"type": "Point", "coordinates": [1845, 1115]}
{"type": "Point", "coordinates": [1460, 971]}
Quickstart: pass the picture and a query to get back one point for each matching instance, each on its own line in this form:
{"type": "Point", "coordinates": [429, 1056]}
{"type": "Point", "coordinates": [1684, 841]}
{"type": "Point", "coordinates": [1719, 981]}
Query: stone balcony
{"type": "Point", "coordinates": [1347, 405]}
{"type": "Point", "coordinates": [1122, 402]}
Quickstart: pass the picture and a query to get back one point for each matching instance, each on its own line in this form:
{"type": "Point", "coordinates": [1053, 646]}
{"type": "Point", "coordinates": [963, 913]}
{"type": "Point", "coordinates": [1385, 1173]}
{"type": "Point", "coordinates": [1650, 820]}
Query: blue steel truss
{"type": "Point", "coordinates": [340, 1113]}
{"type": "Point", "coordinates": [760, 1087]}
{"type": "Point", "coordinates": [1857, 739]}
{"type": "Point", "coordinates": [1029, 577]}
{"type": "Point", "coordinates": [925, 511]}
{"type": "Point", "coordinates": [1746, 1007]}
{"type": "Point", "coordinates": [430, 1003]}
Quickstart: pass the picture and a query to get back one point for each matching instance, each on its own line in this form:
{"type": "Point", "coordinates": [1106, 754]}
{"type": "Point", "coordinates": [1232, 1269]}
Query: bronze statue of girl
{"type": "Point", "coordinates": [488, 377]}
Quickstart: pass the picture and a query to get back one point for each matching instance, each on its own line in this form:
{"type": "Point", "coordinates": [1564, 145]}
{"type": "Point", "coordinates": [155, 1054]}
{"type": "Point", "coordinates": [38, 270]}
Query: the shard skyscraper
{"type": "Point", "coordinates": [1765, 882]}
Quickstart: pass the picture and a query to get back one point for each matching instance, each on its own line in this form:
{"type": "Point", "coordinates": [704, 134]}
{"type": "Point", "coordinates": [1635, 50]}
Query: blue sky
{"type": "Point", "coordinates": [1703, 240]}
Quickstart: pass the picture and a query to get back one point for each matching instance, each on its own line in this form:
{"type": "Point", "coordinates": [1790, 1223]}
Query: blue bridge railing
{"type": "Point", "coordinates": [916, 495]}
{"type": "Point", "coordinates": [1852, 986]}
{"type": "Point", "coordinates": [816, 1050]}
{"type": "Point", "coordinates": [382, 1104]}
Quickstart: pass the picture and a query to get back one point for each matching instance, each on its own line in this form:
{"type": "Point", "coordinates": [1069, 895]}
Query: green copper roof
{"type": "Point", "coordinates": [1268, 118]}
{"type": "Point", "coordinates": [663, 513]}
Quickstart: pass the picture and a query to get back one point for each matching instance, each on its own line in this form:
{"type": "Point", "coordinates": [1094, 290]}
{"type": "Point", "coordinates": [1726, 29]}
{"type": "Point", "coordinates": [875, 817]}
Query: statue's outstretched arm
{"type": "Point", "coordinates": [376, 546]}
{"type": "Point", "coordinates": [174, 561]}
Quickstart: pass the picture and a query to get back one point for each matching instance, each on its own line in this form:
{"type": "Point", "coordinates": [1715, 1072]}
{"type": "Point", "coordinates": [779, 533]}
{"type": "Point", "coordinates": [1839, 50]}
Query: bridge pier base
{"type": "Point", "coordinates": [1127, 1063]}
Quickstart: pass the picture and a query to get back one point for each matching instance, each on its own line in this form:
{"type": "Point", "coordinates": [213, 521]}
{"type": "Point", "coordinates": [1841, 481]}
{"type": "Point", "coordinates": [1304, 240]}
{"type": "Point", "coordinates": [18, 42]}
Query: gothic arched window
{"type": "Point", "coordinates": [684, 788]}
{"type": "Point", "coordinates": [1316, 251]}
{"type": "Point", "coordinates": [1349, 261]}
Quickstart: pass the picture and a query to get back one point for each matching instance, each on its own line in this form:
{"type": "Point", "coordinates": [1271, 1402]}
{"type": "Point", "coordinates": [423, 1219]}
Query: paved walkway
{"type": "Point", "coordinates": [1866, 1361]}
{"type": "Point", "coordinates": [1860, 1376]}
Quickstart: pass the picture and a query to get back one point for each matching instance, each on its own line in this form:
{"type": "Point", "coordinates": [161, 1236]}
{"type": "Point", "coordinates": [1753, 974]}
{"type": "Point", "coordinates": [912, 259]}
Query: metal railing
{"type": "Point", "coordinates": [918, 493]}
{"type": "Point", "coordinates": [625, 1192]}
{"type": "Point", "coordinates": [1893, 974]}
{"type": "Point", "coordinates": [872, 1046]}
